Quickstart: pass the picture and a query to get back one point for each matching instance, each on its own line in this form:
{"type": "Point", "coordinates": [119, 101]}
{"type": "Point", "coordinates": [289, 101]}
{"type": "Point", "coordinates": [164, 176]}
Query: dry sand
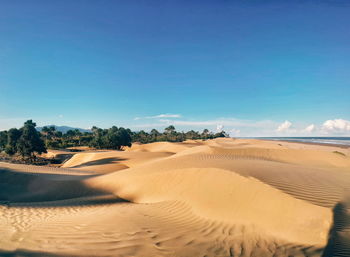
{"type": "Point", "coordinates": [221, 197]}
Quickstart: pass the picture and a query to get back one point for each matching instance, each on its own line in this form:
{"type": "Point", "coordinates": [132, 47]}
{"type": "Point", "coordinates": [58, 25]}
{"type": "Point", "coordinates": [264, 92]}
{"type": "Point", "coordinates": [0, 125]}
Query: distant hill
{"type": "Point", "coordinates": [64, 129]}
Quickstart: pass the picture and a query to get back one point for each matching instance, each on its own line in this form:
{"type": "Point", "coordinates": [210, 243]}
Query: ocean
{"type": "Point", "coordinates": [318, 140]}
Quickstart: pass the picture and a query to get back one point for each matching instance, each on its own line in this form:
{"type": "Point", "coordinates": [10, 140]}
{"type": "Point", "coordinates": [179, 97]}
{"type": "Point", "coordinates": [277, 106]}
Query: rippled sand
{"type": "Point", "coordinates": [222, 197]}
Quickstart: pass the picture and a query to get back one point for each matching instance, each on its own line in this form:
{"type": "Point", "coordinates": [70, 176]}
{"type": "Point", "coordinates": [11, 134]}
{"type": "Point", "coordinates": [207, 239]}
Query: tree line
{"type": "Point", "coordinates": [27, 141]}
{"type": "Point", "coordinates": [171, 135]}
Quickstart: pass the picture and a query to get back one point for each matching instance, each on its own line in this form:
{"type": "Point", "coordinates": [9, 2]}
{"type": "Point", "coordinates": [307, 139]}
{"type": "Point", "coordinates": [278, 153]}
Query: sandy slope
{"type": "Point", "coordinates": [109, 161]}
{"type": "Point", "coordinates": [222, 197]}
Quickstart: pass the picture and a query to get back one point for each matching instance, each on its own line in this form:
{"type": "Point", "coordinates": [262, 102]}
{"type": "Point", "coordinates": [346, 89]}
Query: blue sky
{"type": "Point", "coordinates": [254, 68]}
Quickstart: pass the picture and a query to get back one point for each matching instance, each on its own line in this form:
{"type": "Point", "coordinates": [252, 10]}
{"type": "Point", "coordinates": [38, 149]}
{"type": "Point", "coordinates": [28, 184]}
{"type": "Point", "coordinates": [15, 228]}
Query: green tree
{"type": "Point", "coordinates": [30, 122]}
{"type": "Point", "coordinates": [205, 134]}
{"type": "Point", "coordinates": [58, 134]}
{"type": "Point", "coordinates": [13, 136]}
{"type": "Point", "coordinates": [52, 132]}
{"type": "Point", "coordinates": [45, 130]}
{"type": "Point", "coordinates": [111, 139]}
{"type": "Point", "coordinates": [124, 137]}
{"type": "Point", "coordinates": [169, 129]}
{"type": "Point", "coordinates": [29, 144]}
{"type": "Point", "coordinates": [221, 134]}
{"type": "Point", "coordinates": [70, 133]}
{"type": "Point", "coordinates": [97, 140]}
{"type": "Point", "coordinates": [192, 135]}
{"type": "Point", "coordinates": [3, 140]}
{"type": "Point", "coordinates": [48, 133]}
{"type": "Point", "coordinates": [141, 136]}
{"type": "Point", "coordinates": [154, 135]}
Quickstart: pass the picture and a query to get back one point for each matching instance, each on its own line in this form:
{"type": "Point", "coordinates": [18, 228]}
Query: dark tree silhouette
{"type": "Point", "coordinates": [3, 140]}
{"type": "Point", "coordinates": [13, 136]}
{"type": "Point", "coordinates": [170, 129]}
{"type": "Point", "coordinates": [30, 142]}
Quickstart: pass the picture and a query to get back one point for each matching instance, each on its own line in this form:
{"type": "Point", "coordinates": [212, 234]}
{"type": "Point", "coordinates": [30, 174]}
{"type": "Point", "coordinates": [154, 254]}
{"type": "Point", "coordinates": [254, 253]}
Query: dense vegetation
{"type": "Point", "coordinates": [27, 141]}
{"type": "Point", "coordinates": [171, 135]}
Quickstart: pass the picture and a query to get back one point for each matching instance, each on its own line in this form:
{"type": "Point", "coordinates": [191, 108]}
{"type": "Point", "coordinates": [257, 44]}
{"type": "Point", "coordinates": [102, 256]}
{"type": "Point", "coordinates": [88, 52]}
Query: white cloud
{"type": "Point", "coordinates": [60, 116]}
{"type": "Point", "coordinates": [166, 116]}
{"type": "Point", "coordinates": [310, 128]}
{"type": "Point", "coordinates": [219, 127]}
{"type": "Point", "coordinates": [160, 116]}
{"type": "Point", "coordinates": [285, 126]}
{"type": "Point", "coordinates": [227, 122]}
{"type": "Point", "coordinates": [337, 126]}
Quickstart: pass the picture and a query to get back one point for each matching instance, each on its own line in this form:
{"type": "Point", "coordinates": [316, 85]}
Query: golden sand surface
{"type": "Point", "coordinates": [222, 197]}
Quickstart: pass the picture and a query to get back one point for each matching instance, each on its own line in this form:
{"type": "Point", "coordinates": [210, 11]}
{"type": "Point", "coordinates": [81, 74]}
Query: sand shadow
{"type": "Point", "coordinates": [72, 202]}
{"type": "Point", "coordinates": [62, 158]}
{"type": "Point", "coordinates": [338, 240]}
{"type": "Point", "coordinates": [103, 161]}
{"type": "Point", "coordinates": [28, 253]}
{"type": "Point", "coordinates": [32, 190]}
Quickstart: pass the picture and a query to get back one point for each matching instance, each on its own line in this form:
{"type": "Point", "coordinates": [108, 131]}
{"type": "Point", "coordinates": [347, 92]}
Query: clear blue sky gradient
{"type": "Point", "coordinates": [103, 63]}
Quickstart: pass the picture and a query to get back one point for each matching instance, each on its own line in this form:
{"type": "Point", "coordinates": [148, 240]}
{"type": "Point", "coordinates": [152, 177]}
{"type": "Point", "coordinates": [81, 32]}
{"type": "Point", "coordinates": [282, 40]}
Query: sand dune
{"type": "Point", "coordinates": [239, 201]}
{"type": "Point", "coordinates": [221, 197]}
{"type": "Point", "coordinates": [163, 147]}
{"type": "Point", "coordinates": [109, 161]}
